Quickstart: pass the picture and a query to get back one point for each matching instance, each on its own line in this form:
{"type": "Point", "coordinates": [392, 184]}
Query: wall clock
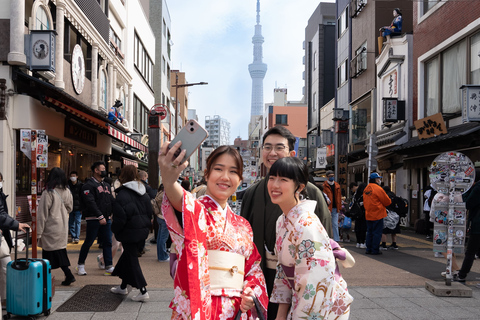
{"type": "Point", "coordinates": [78, 69]}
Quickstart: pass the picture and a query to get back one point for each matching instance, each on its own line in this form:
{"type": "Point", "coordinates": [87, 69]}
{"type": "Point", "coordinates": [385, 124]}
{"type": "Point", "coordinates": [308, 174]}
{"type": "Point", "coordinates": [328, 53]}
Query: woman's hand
{"type": "Point", "coordinates": [170, 169]}
{"type": "Point", "coordinates": [247, 300]}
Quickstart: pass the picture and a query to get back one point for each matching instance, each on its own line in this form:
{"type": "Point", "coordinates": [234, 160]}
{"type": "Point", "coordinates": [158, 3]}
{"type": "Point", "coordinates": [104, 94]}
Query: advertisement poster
{"type": "Point", "coordinates": [42, 149]}
{"type": "Point", "coordinates": [25, 143]}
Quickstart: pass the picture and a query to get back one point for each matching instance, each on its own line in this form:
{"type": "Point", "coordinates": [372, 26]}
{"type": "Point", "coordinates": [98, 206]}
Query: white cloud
{"type": "Point", "coordinates": [213, 43]}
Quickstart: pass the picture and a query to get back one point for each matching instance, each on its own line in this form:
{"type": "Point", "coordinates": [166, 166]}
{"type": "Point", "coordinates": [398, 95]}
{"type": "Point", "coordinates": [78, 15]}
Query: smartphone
{"type": "Point", "coordinates": [192, 135]}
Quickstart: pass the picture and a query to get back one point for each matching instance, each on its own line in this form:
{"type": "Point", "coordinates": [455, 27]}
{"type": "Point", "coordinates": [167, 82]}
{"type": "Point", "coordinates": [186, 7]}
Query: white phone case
{"type": "Point", "coordinates": [192, 135]}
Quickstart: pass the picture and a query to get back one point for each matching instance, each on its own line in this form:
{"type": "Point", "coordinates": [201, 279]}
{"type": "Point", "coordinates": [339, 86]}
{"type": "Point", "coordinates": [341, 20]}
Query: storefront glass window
{"type": "Point", "coordinates": [361, 121]}
{"type": "Point", "coordinates": [475, 60]}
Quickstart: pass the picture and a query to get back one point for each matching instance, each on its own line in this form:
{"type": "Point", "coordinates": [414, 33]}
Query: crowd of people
{"type": "Point", "coordinates": [276, 259]}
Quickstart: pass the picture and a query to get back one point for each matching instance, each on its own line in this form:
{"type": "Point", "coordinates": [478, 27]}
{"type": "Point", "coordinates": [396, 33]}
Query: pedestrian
{"type": "Point", "coordinates": [97, 198]}
{"type": "Point", "coordinates": [257, 207]}
{"type": "Point", "coordinates": [75, 217]}
{"type": "Point", "coordinates": [55, 205]}
{"type": "Point", "coordinates": [344, 226]}
{"type": "Point", "coordinates": [334, 193]}
{"type": "Point", "coordinates": [395, 218]}
{"type": "Point", "coordinates": [302, 240]}
{"type": "Point", "coordinates": [427, 205]}
{"type": "Point", "coordinates": [151, 193]}
{"type": "Point", "coordinates": [185, 185]}
{"type": "Point", "coordinates": [200, 189]}
{"type": "Point", "coordinates": [132, 215]}
{"type": "Point", "coordinates": [357, 212]}
{"type": "Point", "coordinates": [375, 201]}
{"type": "Point", "coordinates": [215, 246]}
{"type": "Point", "coordinates": [7, 223]}
{"type": "Point", "coordinates": [473, 245]}
{"type": "Point", "coordinates": [162, 253]}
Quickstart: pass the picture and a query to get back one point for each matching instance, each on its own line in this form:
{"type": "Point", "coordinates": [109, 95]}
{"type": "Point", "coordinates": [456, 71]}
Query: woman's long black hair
{"type": "Point", "coordinates": [56, 179]}
{"type": "Point", "coordinates": [291, 168]}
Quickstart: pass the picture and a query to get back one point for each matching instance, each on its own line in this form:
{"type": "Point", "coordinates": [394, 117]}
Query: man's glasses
{"type": "Point", "coordinates": [277, 147]}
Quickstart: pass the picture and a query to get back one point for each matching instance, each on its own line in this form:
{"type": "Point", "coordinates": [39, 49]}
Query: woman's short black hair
{"type": "Point", "coordinates": [291, 168]}
{"type": "Point", "coordinates": [56, 179]}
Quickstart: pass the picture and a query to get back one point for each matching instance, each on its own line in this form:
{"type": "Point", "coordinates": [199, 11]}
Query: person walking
{"type": "Point", "coordinates": [162, 253]}
{"type": "Point", "coordinates": [334, 193]}
{"type": "Point", "coordinates": [375, 201]}
{"type": "Point", "coordinates": [218, 270]}
{"type": "Point", "coordinates": [394, 218]}
{"type": "Point", "coordinates": [257, 207]}
{"type": "Point", "coordinates": [473, 245]}
{"type": "Point", "coordinates": [303, 289]}
{"type": "Point", "coordinates": [132, 215]}
{"type": "Point", "coordinates": [151, 193]}
{"type": "Point", "coordinates": [75, 217]}
{"type": "Point", "coordinates": [55, 205]}
{"type": "Point", "coordinates": [7, 223]}
{"type": "Point", "coordinates": [98, 199]}
{"type": "Point", "coordinates": [357, 210]}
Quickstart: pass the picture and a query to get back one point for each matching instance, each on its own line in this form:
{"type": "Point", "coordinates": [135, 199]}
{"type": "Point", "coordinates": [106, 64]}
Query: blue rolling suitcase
{"type": "Point", "coordinates": [29, 286]}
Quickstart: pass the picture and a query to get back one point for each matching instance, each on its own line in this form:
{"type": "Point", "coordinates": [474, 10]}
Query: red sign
{"type": "Point", "coordinates": [161, 110]}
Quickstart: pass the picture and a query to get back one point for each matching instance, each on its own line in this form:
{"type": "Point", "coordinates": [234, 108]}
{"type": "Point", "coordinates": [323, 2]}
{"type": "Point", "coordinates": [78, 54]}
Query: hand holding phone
{"type": "Point", "coordinates": [192, 135]}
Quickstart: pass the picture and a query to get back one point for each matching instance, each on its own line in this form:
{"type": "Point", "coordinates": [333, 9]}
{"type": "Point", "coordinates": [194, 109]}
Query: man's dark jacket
{"type": "Point", "coordinates": [76, 190]}
{"type": "Point", "coordinates": [97, 199]}
{"type": "Point", "coordinates": [7, 223]}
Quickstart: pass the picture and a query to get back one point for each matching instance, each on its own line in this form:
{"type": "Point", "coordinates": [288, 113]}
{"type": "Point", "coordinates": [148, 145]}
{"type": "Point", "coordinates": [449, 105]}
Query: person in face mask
{"type": "Point", "coordinates": [375, 202]}
{"type": "Point", "coordinates": [334, 193]}
{"type": "Point", "coordinates": [75, 217]}
{"type": "Point", "coordinates": [97, 198]}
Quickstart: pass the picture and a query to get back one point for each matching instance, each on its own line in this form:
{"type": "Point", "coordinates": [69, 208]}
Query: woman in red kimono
{"type": "Point", "coordinates": [218, 268]}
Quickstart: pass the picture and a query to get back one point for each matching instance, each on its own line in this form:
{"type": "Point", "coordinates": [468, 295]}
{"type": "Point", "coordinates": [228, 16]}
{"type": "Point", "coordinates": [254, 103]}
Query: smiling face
{"type": "Point", "coordinates": [283, 192]}
{"type": "Point", "coordinates": [223, 179]}
{"type": "Point", "coordinates": [271, 149]}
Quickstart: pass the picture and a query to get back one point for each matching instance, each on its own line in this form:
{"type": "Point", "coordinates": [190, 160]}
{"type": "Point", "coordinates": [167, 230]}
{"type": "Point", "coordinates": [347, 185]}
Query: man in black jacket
{"type": "Point", "coordinates": [97, 199]}
{"type": "Point", "coordinates": [143, 175]}
{"type": "Point", "coordinates": [75, 217]}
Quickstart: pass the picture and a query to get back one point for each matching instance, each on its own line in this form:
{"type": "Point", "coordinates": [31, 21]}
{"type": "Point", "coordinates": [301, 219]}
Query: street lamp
{"type": "Point", "coordinates": [176, 86]}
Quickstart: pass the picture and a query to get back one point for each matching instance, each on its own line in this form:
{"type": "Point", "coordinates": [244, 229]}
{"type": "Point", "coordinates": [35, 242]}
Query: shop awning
{"type": "Point", "coordinates": [120, 136]}
{"type": "Point", "coordinates": [389, 136]}
{"type": "Point", "coordinates": [459, 131]}
{"type": "Point", "coordinates": [358, 166]}
{"type": "Point", "coordinates": [82, 115]}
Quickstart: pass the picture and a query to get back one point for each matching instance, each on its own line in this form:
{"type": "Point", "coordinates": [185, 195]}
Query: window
{"type": "Point", "coordinates": [315, 60]}
{"type": "Point", "coordinates": [103, 90]}
{"type": "Point", "coordinates": [164, 28]}
{"type": "Point", "coordinates": [143, 63]}
{"type": "Point", "coordinates": [314, 102]}
{"type": "Point", "coordinates": [164, 63]}
{"type": "Point", "coordinates": [41, 19]}
{"type": "Point", "coordinates": [446, 72]}
{"type": "Point", "coordinates": [429, 4]}
{"type": "Point", "coordinates": [281, 119]}
{"type": "Point", "coordinates": [342, 24]}
{"type": "Point", "coordinates": [140, 116]}
{"type": "Point", "coordinates": [115, 39]}
{"type": "Point", "coordinates": [359, 62]}
{"type": "Point", "coordinates": [342, 74]}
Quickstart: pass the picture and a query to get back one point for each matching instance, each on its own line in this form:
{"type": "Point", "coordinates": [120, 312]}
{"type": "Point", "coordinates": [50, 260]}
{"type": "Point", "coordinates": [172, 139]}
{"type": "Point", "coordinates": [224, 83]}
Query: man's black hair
{"type": "Point", "coordinates": [74, 172]}
{"type": "Point", "coordinates": [284, 132]}
{"type": "Point", "coordinates": [97, 164]}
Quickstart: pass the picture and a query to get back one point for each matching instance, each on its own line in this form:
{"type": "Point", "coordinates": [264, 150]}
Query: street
{"type": "Point", "coordinates": [387, 286]}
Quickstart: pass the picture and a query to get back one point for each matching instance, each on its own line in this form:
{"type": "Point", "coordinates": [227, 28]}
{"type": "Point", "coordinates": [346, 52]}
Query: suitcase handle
{"type": "Point", "coordinates": [16, 265]}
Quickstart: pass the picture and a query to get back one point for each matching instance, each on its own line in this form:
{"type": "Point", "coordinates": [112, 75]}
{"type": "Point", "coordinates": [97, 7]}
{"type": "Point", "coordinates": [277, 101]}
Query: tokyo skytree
{"type": "Point", "coordinates": [257, 69]}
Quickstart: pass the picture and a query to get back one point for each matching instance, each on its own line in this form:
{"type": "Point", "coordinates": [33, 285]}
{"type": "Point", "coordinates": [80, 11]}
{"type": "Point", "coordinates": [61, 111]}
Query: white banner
{"type": "Point", "coordinates": [321, 162]}
{"type": "Point", "coordinates": [25, 143]}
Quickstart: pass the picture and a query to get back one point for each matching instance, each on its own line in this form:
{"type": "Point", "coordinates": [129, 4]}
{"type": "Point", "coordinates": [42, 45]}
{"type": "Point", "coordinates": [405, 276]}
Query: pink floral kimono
{"type": "Point", "coordinates": [306, 268]}
{"type": "Point", "coordinates": [207, 228]}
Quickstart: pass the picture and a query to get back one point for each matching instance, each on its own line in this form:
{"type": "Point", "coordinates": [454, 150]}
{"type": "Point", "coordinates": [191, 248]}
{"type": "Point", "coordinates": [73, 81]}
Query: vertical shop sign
{"type": "Point", "coordinates": [42, 149]}
{"type": "Point", "coordinates": [25, 143]}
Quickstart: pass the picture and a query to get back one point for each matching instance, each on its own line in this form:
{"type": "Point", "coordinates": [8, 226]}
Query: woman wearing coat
{"type": "Point", "coordinates": [54, 208]}
{"type": "Point", "coordinates": [132, 215]}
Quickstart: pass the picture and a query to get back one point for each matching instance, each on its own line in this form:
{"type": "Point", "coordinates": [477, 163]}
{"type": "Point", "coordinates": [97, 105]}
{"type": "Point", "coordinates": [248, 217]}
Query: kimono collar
{"type": "Point", "coordinates": [218, 207]}
{"type": "Point", "coordinates": [303, 206]}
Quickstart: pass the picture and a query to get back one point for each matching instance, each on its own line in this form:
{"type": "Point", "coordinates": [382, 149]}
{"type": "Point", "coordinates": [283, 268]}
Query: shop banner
{"type": "Point", "coordinates": [25, 143]}
{"type": "Point", "coordinates": [42, 149]}
{"type": "Point", "coordinates": [321, 162]}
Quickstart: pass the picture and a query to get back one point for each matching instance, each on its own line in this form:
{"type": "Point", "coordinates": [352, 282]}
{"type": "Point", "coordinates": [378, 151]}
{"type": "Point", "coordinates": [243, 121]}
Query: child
{"type": "Point", "coordinates": [344, 229]}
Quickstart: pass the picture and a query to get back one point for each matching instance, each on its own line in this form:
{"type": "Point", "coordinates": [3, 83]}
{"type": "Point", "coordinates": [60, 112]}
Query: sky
{"type": "Point", "coordinates": [212, 42]}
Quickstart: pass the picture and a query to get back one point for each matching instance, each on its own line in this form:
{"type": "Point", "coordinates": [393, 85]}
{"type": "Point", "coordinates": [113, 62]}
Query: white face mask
{"type": "Point", "coordinates": [1, 184]}
{"type": "Point", "coordinates": [73, 179]}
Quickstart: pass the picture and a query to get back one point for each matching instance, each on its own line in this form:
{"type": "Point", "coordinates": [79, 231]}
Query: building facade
{"type": "Point", "coordinates": [218, 131]}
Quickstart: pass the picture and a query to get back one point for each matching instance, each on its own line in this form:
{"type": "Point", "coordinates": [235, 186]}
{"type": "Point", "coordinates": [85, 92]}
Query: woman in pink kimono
{"type": "Point", "coordinates": [218, 268]}
{"type": "Point", "coordinates": [307, 286]}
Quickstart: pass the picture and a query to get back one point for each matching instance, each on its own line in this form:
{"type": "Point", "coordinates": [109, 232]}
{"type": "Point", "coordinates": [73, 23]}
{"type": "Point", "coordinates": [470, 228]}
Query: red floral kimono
{"type": "Point", "coordinates": [208, 229]}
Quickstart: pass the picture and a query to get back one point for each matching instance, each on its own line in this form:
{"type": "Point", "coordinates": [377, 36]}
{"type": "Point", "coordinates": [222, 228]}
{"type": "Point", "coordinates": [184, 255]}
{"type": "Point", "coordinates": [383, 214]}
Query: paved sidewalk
{"type": "Point", "coordinates": [390, 286]}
